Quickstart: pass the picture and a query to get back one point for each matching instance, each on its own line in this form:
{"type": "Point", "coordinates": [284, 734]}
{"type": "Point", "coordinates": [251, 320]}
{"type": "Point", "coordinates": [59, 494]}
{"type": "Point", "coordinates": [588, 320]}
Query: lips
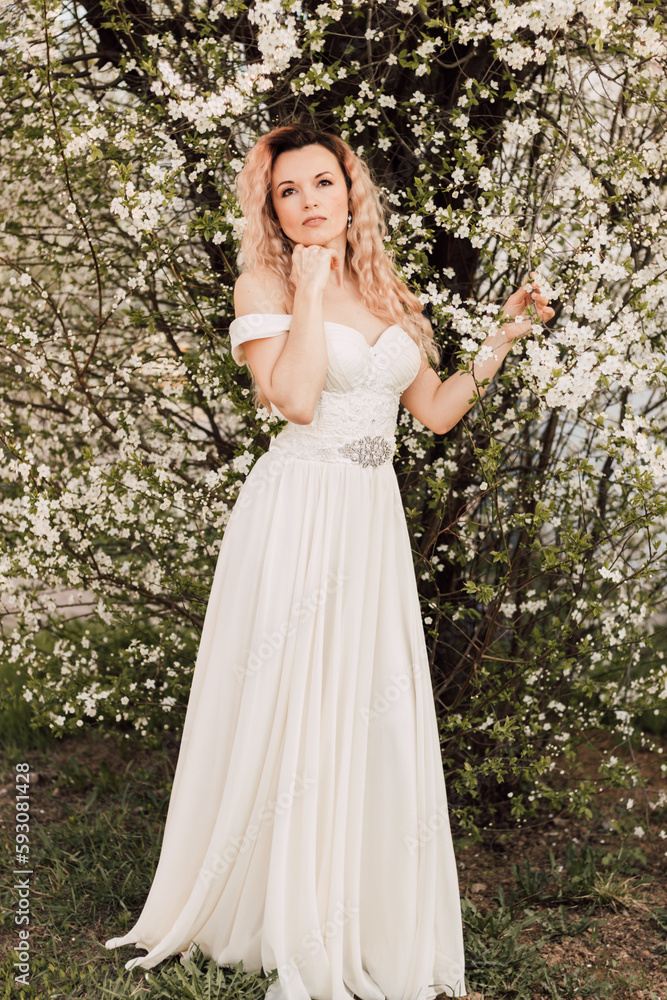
{"type": "Point", "coordinates": [314, 218]}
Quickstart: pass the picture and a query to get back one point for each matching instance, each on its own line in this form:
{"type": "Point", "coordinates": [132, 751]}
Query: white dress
{"type": "Point", "coordinates": [307, 828]}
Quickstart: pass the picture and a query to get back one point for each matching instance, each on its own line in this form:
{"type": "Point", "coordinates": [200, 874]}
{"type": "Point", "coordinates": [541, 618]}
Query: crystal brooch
{"type": "Point", "coordinates": [368, 450]}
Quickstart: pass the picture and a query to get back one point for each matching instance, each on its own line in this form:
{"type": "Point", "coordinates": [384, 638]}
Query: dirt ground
{"type": "Point", "coordinates": [630, 940]}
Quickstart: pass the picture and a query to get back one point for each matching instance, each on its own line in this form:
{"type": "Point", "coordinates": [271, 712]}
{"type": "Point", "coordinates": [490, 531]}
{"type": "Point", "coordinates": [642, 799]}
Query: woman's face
{"type": "Point", "coordinates": [309, 182]}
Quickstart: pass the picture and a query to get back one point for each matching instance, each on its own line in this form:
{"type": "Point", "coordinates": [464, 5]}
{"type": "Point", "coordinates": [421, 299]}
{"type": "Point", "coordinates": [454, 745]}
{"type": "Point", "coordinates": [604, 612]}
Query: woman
{"type": "Point", "coordinates": [307, 829]}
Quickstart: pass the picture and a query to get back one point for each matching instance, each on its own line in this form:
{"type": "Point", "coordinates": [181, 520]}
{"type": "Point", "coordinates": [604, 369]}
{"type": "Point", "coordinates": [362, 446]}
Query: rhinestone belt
{"type": "Point", "coordinates": [371, 450]}
{"type": "Point", "coordinates": [368, 450]}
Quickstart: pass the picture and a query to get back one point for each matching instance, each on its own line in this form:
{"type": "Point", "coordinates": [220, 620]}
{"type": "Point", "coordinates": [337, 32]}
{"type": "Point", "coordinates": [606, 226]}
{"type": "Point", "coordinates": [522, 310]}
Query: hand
{"type": "Point", "coordinates": [519, 301]}
{"type": "Point", "coordinates": [312, 265]}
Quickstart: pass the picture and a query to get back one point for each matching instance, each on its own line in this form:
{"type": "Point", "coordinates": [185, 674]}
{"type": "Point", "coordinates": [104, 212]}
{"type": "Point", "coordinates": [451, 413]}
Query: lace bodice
{"type": "Point", "coordinates": [356, 414]}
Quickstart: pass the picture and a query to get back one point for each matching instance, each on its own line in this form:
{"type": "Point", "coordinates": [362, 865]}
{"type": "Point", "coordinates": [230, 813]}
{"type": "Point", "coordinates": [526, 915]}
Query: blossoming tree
{"type": "Point", "coordinates": [505, 137]}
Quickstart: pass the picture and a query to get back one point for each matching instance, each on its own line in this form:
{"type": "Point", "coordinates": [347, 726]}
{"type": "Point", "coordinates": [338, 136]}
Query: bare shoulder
{"type": "Point", "coordinates": [258, 290]}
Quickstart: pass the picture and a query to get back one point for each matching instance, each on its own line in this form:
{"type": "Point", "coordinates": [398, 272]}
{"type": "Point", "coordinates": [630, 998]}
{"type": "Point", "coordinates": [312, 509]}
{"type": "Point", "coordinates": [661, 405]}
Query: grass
{"type": "Point", "coordinates": [578, 881]}
{"type": "Point", "coordinates": [196, 979]}
{"type": "Point", "coordinates": [98, 810]}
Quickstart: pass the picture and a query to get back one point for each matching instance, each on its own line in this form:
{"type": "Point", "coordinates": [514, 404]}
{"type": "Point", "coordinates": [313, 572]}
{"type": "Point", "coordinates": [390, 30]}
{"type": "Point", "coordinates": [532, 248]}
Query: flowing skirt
{"type": "Point", "coordinates": [307, 828]}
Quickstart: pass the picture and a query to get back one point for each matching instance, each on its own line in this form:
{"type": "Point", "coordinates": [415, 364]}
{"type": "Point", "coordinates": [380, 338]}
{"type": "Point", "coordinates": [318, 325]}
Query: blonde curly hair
{"type": "Point", "coordinates": [264, 245]}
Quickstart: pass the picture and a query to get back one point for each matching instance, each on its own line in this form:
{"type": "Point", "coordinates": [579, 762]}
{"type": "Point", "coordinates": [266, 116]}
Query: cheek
{"type": "Point", "coordinates": [285, 207]}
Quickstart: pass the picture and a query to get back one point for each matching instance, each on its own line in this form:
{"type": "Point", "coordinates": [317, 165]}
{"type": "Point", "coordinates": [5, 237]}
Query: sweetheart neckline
{"type": "Point", "coordinates": [371, 347]}
{"type": "Point", "coordinates": [345, 326]}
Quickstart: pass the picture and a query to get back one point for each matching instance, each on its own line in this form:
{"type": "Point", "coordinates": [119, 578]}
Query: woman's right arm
{"type": "Point", "coordinates": [291, 368]}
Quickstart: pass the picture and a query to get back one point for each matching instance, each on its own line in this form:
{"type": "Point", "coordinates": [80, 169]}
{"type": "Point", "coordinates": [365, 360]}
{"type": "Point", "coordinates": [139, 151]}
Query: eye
{"type": "Point", "coordinates": [324, 180]}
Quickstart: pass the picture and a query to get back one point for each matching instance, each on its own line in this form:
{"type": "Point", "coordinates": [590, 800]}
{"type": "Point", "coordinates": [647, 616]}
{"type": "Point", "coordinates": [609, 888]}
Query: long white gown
{"type": "Point", "coordinates": [307, 829]}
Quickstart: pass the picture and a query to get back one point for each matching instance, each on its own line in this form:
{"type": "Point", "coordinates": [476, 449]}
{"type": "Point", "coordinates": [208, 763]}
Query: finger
{"type": "Point", "coordinates": [518, 299]}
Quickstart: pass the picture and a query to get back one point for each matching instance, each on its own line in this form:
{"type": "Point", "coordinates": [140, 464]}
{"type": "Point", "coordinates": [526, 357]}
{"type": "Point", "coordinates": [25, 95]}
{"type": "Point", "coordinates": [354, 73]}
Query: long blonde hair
{"type": "Point", "coordinates": [264, 245]}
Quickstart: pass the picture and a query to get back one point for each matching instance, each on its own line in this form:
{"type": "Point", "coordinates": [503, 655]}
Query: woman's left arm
{"type": "Point", "coordinates": [440, 405]}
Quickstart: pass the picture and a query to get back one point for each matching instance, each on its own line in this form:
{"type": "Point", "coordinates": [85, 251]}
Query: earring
{"type": "Point", "coordinates": [349, 219]}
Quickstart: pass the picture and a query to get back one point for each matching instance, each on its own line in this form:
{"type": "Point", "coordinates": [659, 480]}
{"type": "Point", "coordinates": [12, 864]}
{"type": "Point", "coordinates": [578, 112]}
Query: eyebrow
{"type": "Point", "coordinates": [316, 176]}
